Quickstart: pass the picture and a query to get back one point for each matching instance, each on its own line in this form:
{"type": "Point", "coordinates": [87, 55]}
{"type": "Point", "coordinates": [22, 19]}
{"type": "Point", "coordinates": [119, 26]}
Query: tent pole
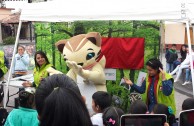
{"type": "Point", "coordinates": [190, 51]}
{"type": "Point", "coordinates": [161, 40]}
{"type": "Point", "coordinates": [11, 67]}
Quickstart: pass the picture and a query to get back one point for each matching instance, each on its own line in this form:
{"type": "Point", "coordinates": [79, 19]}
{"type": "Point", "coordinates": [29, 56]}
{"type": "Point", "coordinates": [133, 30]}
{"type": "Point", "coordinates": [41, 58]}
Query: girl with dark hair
{"type": "Point", "coordinates": [183, 52]}
{"type": "Point", "coordinates": [157, 86]}
{"type": "Point", "coordinates": [138, 107]}
{"type": "Point", "coordinates": [63, 107]}
{"type": "Point", "coordinates": [59, 102]}
{"type": "Point", "coordinates": [111, 116]}
{"type": "Point", "coordinates": [188, 104]}
{"type": "Point", "coordinates": [163, 109]}
{"type": "Point", "coordinates": [42, 65]}
{"type": "Point", "coordinates": [25, 115]}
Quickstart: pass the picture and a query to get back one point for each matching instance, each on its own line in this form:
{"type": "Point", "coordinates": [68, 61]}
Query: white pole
{"type": "Point", "coordinates": [190, 51]}
{"type": "Point", "coordinates": [10, 71]}
{"type": "Point", "coordinates": [1, 40]}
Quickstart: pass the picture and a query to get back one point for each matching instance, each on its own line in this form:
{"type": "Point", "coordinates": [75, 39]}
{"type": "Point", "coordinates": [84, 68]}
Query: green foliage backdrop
{"type": "Point", "coordinates": [47, 34]}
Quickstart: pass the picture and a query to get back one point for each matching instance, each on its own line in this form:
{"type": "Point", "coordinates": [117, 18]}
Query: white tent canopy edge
{"type": "Point", "coordinates": [74, 10]}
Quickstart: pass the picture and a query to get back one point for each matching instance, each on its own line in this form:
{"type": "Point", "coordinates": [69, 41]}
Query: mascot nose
{"type": "Point", "coordinates": [81, 64]}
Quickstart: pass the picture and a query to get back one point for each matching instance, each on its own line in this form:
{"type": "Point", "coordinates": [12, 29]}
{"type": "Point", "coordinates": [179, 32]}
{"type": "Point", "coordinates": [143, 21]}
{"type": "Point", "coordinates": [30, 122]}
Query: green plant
{"type": "Point", "coordinates": [9, 40]}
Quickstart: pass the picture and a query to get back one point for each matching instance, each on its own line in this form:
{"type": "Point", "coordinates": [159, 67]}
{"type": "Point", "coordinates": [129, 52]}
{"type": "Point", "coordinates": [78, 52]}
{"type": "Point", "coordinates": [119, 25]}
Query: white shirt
{"type": "Point", "coordinates": [97, 119]}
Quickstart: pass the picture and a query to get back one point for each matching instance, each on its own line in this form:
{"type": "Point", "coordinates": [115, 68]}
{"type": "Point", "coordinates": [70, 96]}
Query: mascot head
{"type": "Point", "coordinates": [84, 49]}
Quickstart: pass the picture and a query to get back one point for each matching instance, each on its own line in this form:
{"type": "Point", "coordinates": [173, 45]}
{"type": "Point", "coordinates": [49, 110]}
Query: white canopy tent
{"type": "Point", "coordinates": [74, 10]}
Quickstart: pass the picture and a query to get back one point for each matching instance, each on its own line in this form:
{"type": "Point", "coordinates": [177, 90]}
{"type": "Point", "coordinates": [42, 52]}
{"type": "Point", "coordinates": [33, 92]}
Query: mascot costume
{"type": "Point", "coordinates": [83, 56]}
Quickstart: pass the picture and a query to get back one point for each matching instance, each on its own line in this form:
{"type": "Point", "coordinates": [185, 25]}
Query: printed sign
{"type": "Point", "coordinates": [141, 78]}
{"type": "Point", "coordinates": [110, 74]}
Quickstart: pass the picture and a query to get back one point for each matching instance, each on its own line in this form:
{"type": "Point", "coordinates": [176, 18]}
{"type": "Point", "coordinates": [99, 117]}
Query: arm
{"type": "Point", "coordinates": [139, 89]}
{"type": "Point", "coordinates": [25, 59]}
{"type": "Point", "coordinates": [167, 87]}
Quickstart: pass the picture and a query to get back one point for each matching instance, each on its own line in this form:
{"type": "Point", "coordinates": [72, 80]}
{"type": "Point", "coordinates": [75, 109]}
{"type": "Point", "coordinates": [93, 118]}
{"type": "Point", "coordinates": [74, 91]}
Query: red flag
{"type": "Point", "coordinates": [123, 53]}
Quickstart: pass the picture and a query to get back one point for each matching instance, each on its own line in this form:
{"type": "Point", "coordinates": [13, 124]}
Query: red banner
{"type": "Point", "coordinates": [123, 53]}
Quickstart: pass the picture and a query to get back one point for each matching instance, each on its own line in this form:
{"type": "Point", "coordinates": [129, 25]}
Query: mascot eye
{"type": "Point", "coordinates": [90, 56]}
{"type": "Point", "coordinates": [65, 59]}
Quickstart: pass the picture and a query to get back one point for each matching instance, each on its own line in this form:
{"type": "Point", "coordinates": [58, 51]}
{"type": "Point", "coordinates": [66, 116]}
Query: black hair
{"type": "Point", "coordinates": [22, 47]}
{"type": "Point", "coordinates": [47, 85]}
{"type": "Point", "coordinates": [43, 55]}
{"type": "Point", "coordinates": [63, 107]}
{"type": "Point", "coordinates": [188, 104]}
{"type": "Point", "coordinates": [102, 99]}
{"type": "Point", "coordinates": [174, 45]}
{"type": "Point", "coordinates": [163, 109]}
{"type": "Point", "coordinates": [26, 99]}
{"type": "Point", "coordinates": [154, 64]}
{"type": "Point", "coordinates": [138, 107]}
{"type": "Point", "coordinates": [111, 116]}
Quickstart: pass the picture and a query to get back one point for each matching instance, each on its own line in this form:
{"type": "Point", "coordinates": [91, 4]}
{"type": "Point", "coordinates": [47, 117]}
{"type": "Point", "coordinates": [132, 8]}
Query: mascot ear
{"type": "Point", "coordinates": [60, 45]}
{"type": "Point", "coordinates": [94, 37]}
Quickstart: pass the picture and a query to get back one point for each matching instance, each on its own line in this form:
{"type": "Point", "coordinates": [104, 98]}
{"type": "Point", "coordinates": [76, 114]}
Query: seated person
{"type": "Point", "coordinates": [59, 102]}
{"type": "Point", "coordinates": [185, 64]}
{"type": "Point", "coordinates": [187, 77]}
{"type": "Point", "coordinates": [111, 116]}
{"type": "Point", "coordinates": [100, 101]}
{"type": "Point", "coordinates": [26, 115]}
{"type": "Point", "coordinates": [163, 109]}
{"type": "Point", "coordinates": [188, 104]}
{"type": "Point", "coordinates": [42, 69]}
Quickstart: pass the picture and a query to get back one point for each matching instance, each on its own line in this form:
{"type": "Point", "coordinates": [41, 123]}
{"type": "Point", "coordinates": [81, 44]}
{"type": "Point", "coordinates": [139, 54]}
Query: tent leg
{"type": "Point", "coordinates": [11, 67]}
{"type": "Point", "coordinates": [190, 51]}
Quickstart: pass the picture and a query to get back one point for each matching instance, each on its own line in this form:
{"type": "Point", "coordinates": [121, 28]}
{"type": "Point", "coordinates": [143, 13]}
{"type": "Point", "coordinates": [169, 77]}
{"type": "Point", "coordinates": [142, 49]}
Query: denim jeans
{"type": "Point", "coordinates": [169, 67]}
{"type": "Point", "coordinates": [188, 75]}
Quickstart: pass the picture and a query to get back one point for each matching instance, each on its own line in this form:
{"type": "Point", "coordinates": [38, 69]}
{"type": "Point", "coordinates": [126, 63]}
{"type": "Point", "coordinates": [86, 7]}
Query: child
{"type": "Point", "coordinates": [25, 115]}
{"type": "Point", "coordinates": [100, 101]}
{"type": "Point", "coordinates": [111, 116]}
{"type": "Point", "coordinates": [138, 107]}
{"type": "Point", "coordinates": [188, 104]}
{"type": "Point", "coordinates": [171, 56]}
{"type": "Point", "coordinates": [163, 109]}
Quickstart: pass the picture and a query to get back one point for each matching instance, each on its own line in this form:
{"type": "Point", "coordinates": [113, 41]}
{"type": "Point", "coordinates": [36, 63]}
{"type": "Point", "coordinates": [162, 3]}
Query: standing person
{"type": "Point", "coordinates": [157, 87]}
{"type": "Point", "coordinates": [42, 64]}
{"type": "Point", "coordinates": [100, 101]}
{"type": "Point", "coordinates": [171, 56]}
{"type": "Point", "coordinates": [26, 115]}
{"type": "Point", "coordinates": [21, 62]}
{"type": "Point", "coordinates": [3, 68]}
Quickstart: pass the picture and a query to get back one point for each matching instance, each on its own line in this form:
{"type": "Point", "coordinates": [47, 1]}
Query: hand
{"type": "Point", "coordinates": [163, 74]}
{"type": "Point", "coordinates": [127, 81]}
{"type": "Point", "coordinates": [27, 84]}
{"type": "Point", "coordinates": [166, 124]}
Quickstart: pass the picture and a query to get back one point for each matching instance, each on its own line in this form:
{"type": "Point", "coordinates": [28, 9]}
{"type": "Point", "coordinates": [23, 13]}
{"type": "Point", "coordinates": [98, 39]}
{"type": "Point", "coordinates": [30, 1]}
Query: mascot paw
{"type": "Point", "coordinates": [69, 64]}
{"type": "Point", "coordinates": [77, 68]}
{"type": "Point", "coordinates": [52, 71]}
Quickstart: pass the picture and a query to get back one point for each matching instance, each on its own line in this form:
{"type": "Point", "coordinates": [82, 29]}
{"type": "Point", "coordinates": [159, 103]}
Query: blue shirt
{"type": "Point", "coordinates": [22, 117]}
{"type": "Point", "coordinates": [21, 62]}
{"type": "Point", "coordinates": [167, 87]}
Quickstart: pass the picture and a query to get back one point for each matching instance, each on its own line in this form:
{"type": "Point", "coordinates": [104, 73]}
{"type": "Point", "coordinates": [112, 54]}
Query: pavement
{"type": "Point", "coordinates": [183, 89]}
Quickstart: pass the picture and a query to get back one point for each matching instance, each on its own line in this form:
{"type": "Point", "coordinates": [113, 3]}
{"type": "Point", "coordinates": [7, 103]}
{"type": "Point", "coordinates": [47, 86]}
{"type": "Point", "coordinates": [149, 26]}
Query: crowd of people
{"type": "Point", "coordinates": [175, 65]}
{"type": "Point", "coordinates": [58, 101]}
